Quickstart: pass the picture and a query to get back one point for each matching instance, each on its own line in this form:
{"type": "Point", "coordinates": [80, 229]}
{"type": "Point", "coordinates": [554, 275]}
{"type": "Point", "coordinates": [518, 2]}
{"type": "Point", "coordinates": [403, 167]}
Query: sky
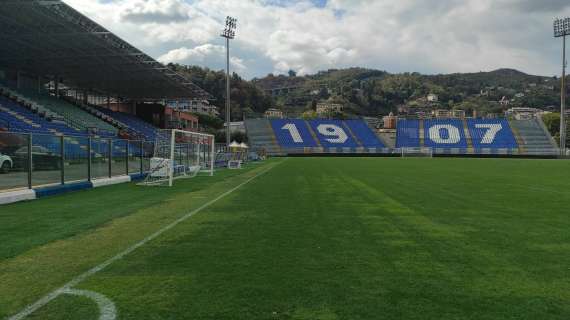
{"type": "Point", "coordinates": [275, 36]}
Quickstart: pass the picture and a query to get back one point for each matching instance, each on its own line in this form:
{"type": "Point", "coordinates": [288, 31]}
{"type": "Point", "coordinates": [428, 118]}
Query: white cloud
{"type": "Point", "coordinates": [197, 54]}
{"type": "Point", "coordinates": [395, 35]}
{"type": "Point", "coordinates": [201, 54]}
{"type": "Point", "coordinates": [153, 11]}
{"type": "Point", "coordinates": [238, 64]}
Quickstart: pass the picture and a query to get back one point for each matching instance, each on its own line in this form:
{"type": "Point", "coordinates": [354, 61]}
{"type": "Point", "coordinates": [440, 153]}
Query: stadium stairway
{"type": "Point", "coordinates": [352, 135]}
{"type": "Point", "coordinates": [364, 134]}
{"type": "Point", "coordinates": [314, 136]}
{"type": "Point", "coordinates": [386, 139]}
{"type": "Point", "coordinates": [470, 148]}
{"type": "Point", "coordinates": [409, 134]}
{"type": "Point", "coordinates": [518, 138]}
{"type": "Point", "coordinates": [534, 138]}
{"type": "Point", "coordinates": [372, 123]}
{"type": "Point", "coordinates": [421, 126]}
{"type": "Point", "coordinates": [261, 136]}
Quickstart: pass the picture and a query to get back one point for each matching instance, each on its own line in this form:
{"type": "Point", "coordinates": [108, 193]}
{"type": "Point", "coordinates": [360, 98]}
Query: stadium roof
{"type": "Point", "coordinates": [48, 37]}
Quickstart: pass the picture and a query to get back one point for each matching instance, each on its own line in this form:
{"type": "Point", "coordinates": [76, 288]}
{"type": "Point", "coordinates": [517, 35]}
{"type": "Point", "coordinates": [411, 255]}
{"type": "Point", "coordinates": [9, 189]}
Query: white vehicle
{"type": "Point", "coordinates": [5, 163]}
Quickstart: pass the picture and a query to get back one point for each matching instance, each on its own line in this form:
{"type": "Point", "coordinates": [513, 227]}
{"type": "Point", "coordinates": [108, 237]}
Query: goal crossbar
{"type": "Point", "coordinates": [180, 154]}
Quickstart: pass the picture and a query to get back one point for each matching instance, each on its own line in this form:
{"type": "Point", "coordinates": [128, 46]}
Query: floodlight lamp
{"type": "Point", "coordinates": [229, 31]}
{"type": "Point", "coordinates": [561, 27]}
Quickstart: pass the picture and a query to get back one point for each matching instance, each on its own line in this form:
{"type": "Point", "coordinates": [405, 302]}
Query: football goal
{"type": "Point", "coordinates": [180, 154]}
{"type": "Point", "coordinates": [420, 152]}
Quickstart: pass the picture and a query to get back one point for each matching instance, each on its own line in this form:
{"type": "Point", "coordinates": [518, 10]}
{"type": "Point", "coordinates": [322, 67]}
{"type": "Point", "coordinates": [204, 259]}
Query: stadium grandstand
{"type": "Point", "coordinates": [444, 137]}
{"type": "Point", "coordinates": [74, 95]}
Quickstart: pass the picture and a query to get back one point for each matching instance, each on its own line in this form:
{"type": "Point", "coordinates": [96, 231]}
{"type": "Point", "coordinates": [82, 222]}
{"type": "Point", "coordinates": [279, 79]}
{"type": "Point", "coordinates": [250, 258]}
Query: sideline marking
{"type": "Point", "coordinates": [28, 310]}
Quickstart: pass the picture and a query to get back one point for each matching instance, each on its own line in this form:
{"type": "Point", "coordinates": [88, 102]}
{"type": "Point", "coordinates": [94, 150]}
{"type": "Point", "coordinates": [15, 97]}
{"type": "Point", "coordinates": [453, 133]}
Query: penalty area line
{"type": "Point", "coordinates": [28, 310]}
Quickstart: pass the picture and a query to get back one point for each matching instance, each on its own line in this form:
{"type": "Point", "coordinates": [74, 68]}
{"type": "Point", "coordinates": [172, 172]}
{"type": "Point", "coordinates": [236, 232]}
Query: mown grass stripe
{"type": "Point", "coordinates": [30, 309]}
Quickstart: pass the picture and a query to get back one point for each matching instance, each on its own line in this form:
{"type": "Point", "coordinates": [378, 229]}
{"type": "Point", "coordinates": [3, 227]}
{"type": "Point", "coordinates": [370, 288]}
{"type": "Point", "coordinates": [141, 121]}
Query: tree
{"type": "Point", "coordinates": [313, 105]}
{"type": "Point", "coordinates": [245, 95]}
{"type": "Point", "coordinates": [324, 94]}
{"type": "Point", "coordinates": [309, 115]}
{"type": "Point", "coordinates": [552, 123]}
{"type": "Point", "coordinates": [373, 92]}
{"type": "Point", "coordinates": [209, 121]}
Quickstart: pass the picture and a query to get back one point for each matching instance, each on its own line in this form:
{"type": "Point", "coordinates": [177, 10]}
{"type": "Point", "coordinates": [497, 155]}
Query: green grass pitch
{"type": "Point", "coordinates": [309, 239]}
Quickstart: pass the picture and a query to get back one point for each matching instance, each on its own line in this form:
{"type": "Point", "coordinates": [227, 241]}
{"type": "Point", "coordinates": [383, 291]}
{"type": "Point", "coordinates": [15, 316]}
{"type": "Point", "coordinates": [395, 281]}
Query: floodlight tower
{"type": "Point", "coordinates": [229, 33]}
{"type": "Point", "coordinates": [561, 30]}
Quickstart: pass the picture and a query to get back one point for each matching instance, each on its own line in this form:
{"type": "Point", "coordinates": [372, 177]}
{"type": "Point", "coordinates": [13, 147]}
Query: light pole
{"type": "Point", "coordinates": [561, 30]}
{"type": "Point", "coordinates": [228, 33]}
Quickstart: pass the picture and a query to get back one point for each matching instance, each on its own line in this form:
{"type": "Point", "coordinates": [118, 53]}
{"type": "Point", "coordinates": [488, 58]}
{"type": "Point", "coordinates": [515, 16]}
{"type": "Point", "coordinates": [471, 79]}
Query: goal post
{"type": "Point", "coordinates": [180, 154]}
{"type": "Point", "coordinates": [418, 152]}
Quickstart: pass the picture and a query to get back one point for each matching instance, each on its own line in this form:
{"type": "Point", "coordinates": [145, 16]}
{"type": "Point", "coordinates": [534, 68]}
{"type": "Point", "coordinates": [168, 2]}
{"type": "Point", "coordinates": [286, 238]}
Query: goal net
{"type": "Point", "coordinates": [417, 152]}
{"type": "Point", "coordinates": [180, 154]}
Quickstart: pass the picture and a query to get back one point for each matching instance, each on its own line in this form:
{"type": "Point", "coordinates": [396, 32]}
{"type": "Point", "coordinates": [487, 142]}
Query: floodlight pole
{"type": "Point", "coordinates": [228, 33]}
{"type": "Point", "coordinates": [228, 95]}
{"type": "Point", "coordinates": [561, 30]}
{"type": "Point", "coordinates": [563, 101]}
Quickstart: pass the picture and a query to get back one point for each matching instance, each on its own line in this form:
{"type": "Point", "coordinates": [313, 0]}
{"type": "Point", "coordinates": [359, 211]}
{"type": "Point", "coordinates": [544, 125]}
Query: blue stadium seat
{"type": "Point", "coordinates": [444, 133]}
{"type": "Point", "coordinates": [141, 127]}
{"type": "Point", "coordinates": [293, 133]}
{"type": "Point", "coordinates": [21, 119]}
{"type": "Point", "coordinates": [332, 134]}
{"type": "Point", "coordinates": [408, 134]}
{"type": "Point", "coordinates": [364, 134]}
{"type": "Point", "coordinates": [47, 134]}
{"type": "Point", "coordinates": [492, 134]}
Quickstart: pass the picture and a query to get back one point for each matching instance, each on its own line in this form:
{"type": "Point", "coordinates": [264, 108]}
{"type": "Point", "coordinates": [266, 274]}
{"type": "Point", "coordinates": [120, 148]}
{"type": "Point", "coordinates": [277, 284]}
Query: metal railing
{"type": "Point", "coordinates": [29, 160]}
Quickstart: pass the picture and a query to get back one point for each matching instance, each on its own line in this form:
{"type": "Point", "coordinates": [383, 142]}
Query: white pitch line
{"type": "Point", "coordinates": [28, 310]}
{"type": "Point", "coordinates": [107, 310]}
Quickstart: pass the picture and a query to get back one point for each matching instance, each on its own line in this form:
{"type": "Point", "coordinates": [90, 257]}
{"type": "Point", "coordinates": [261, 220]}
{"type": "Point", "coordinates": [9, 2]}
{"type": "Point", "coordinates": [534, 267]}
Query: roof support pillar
{"type": "Point", "coordinates": [56, 81]}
